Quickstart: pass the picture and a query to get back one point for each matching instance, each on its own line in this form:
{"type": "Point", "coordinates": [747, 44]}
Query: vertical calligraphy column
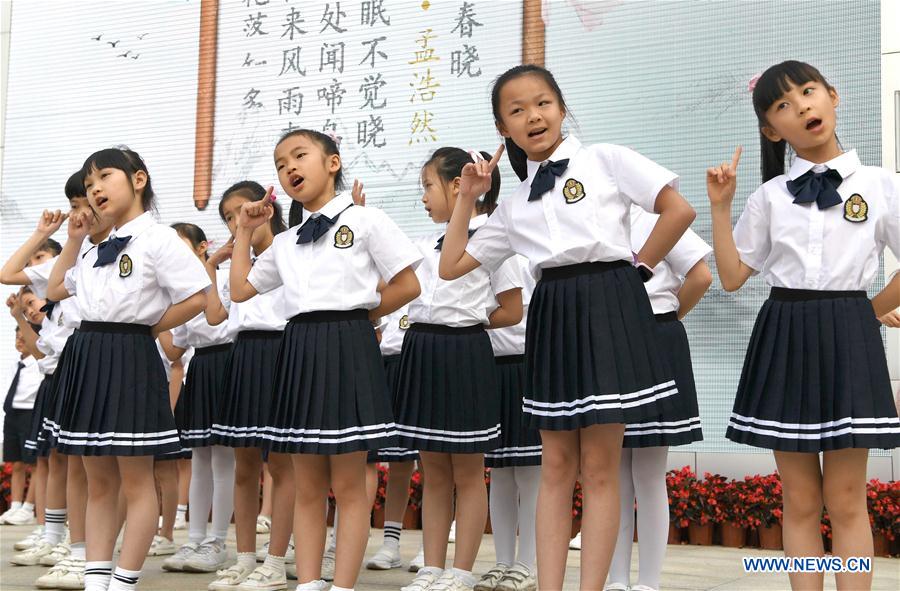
{"type": "Point", "coordinates": [332, 56]}
{"type": "Point", "coordinates": [463, 60]}
{"type": "Point", "coordinates": [370, 128]}
{"type": "Point", "coordinates": [292, 72]}
{"type": "Point", "coordinates": [424, 86]}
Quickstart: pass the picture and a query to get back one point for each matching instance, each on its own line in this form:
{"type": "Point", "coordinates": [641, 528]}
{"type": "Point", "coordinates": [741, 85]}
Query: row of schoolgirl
{"type": "Point", "coordinates": [601, 362]}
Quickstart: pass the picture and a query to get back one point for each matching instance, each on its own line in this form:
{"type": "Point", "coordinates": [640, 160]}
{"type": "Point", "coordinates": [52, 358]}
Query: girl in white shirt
{"type": "Point", "coordinates": [113, 398]}
{"type": "Point", "coordinates": [212, 466]}
{"type": "Point", "coordinates": [592, 361]}
{"type": "Point", "coordinates": [815, 377]}
{"type": "Point", "coordinates": [256, 326]}
{"type": "Point", "coordinates": [332, 402]}
{"type": "Point", "coordinates": [448, 403]}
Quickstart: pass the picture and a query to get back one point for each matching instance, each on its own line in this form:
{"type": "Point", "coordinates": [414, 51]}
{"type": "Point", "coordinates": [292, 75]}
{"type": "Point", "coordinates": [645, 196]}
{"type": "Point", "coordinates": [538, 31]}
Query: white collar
{"type": "Point", "coordinates": [338, 203]}
{"type": "Point", "coordinates": [134, 227]}
{"type": "Point", "coordinates": [478, 221]}
{"type": "Point", "coordinates": [846, 164]}
{"type": "Point", "coordinates": [567, 149]}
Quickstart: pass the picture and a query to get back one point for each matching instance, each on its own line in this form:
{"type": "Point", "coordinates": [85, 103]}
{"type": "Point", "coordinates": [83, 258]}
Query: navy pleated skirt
{"type": "Point", "coordinates": [247, 391]}
{"type": "Point", "coordinates": [203, 394]}
{"type": "Point", "coordinates": [393, 454]}
{"type": "Point", "coordinates": [332, 391]}
{"type": "Point", "coordinates": [591, 350]}
{"type": "Point", "coordinates": [37, 442]}
{"type": "Point", "coordinates": [815, 376]}
{"type": "Point", "coordinates": [447, 398]}
{"type": "Point", "coordinates": [112, 396]}
{"type": "Point", "coordinates": [519, 445]}
{"type": "Point", "coordinates": [682, 426]}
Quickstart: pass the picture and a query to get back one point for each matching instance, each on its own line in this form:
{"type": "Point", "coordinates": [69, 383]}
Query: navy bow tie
{"type": "Point", "coordinates": [48, 306]}
{"type": "Point", "coordinates": [440, 241]}
{"type": "Point", "coordinates": [545, 178]}
{"type": "Point", "coordinates": [13, 386]}
{"type": "Point", "coordinates": [316, 227]}
{"type": "Point", "coordinates": [109, 250]}
{"type": "Point", "coordinates": [820, 187]}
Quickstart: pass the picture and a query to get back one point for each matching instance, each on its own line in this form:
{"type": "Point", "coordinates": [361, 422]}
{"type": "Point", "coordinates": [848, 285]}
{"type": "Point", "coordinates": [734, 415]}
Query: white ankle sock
{"type": "Point", "coordinates": [54, 525]}
{"type": "Point", "coordinates": [97, 575]}
{"type": "Point", "coordinates": [124, 580]}
{"type": "Point", "coordinates": [77, 550]}
{"type": "Point", "coordinates": [247, 559]}
{"type": "Point", "coordinates": [392, 531]}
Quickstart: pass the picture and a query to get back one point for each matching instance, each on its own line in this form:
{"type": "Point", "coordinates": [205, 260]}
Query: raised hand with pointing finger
{"type": "Point", "coordinates": [256, 213]}
{"type": "Point", "coordinates": [475, 179]}
{"type": "Point", "coordinates": [721, 181]}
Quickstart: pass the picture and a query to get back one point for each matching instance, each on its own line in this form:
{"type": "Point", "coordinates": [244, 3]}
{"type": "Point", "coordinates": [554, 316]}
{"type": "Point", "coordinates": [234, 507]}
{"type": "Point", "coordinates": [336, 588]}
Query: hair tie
{"type": "Point", "coordinates": [751, 85]}
{"type": "Point", "coordinates": [334, 137]}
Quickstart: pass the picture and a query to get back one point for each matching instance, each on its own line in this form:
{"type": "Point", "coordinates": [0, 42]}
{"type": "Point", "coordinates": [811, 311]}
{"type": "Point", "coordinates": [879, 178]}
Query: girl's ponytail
{"type": "Point", "coordinates": [771, 157]}
{"type": "Point", "coordinates": [518, 159]}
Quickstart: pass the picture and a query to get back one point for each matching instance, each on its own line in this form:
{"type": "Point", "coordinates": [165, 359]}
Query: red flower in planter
{"type": "Point", "coordinates": [883, 500]}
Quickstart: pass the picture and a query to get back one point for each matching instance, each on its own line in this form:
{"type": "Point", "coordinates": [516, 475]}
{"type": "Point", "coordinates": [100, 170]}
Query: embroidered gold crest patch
{"type": "Point", "coordinates": [343, 238]}
{"type": "Point", "coordinates": [856, 209]}
{"type": "Point", "coordinates": [573, 191]}
{"type": "Point", "coordinates": [125, 266]}
{"type": "Point", "coordinates": [404, 322]}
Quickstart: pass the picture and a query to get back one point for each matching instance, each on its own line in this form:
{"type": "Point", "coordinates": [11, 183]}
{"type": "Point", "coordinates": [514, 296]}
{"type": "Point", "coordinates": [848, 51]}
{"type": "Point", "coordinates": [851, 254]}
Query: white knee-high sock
{"type": "Point", "coordinates": [200, 494]}
{"type": "Point", "coordinates": [620, 567]}
{"type": "Point", "coordinates": [223, 490]}
{"type": "Point", "coordinates": [528, 481]}
{"type": "Point", "coordinates": [332, 540]}
{"type": "Point", "coordinates": [648, 469]}
{"type": "Point", "coordinates": [504, 507]}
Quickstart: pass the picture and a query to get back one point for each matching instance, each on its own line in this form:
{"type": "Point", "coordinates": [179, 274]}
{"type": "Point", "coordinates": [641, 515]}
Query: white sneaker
{"type": "Point", "coordinates": [209, 556]}
{"type": "Point", "coordinates": [59, 552]}
{"type": "Point", "coordinates": [328, 565]}
{"type": "Point", "coordinates": [425, 578]}
{"type": "Point", "coordinates": [33, 538]}
{"type": "Point", "coordinates": [490, 579]}
{"type": "Point", "coordinates": [263, 524]}
{"type": "Point", "coordinates": [21, 517]}
{"type": "Point", "coordinates": [161, 546]}
{"type": "Point", "coordinates": [319, 585]}
{"type": "Point", "coordinates": [386, 558]}
{"type": "Point", "coordinates": [642, 588]}
{"type": "Point", "coordinates": [450, 582]}
{"type": "Point", "coordinates": [452, 537]}
{"type": "Point", "coordinates": [417, 563]}
{"type": "Point", "coordinates": [68, 573]}
{"type": "Point", "coordinates": [575, 543]}
{"type": "Point", "coordinates": [175, 563]}
{"type": "Point", "coordinates": [264, 578]}
{"type": "Point", "coordinates": [33, 555]}
{"type": "Point", "coordinates": [229, 578]}
{"type": "Point", "coordinates": [180, 522]}
{"type": "Point", "coordinates": [615, 587]}
{"type": "Point", "coordinates": [7, 513]}
{"type": "Point", "coordinates": [517, 578]}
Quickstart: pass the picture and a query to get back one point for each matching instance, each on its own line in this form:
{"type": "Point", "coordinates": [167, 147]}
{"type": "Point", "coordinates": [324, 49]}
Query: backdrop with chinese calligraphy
{"type": "Point", "coordinates": [395, 80]}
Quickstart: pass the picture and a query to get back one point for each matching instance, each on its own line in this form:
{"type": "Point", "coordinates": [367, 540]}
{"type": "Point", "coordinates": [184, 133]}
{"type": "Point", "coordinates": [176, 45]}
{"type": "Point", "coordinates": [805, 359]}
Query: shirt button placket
{"type": "Point", "coordinates": [814, 247]}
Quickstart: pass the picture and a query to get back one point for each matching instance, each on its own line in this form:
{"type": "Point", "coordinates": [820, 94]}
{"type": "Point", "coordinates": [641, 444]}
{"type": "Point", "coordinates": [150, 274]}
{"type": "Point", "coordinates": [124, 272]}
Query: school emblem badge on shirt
{"type": "Point", "coordinates": [856, 209]}
{"type": "Point", "coordinates": [573, 191]}
{"type": "Point", "coordinates": [404, 322]}
{"type": "Point", "coordinates": [125, 266]}
{"type": "Point", "coordinates": [343, 238]}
